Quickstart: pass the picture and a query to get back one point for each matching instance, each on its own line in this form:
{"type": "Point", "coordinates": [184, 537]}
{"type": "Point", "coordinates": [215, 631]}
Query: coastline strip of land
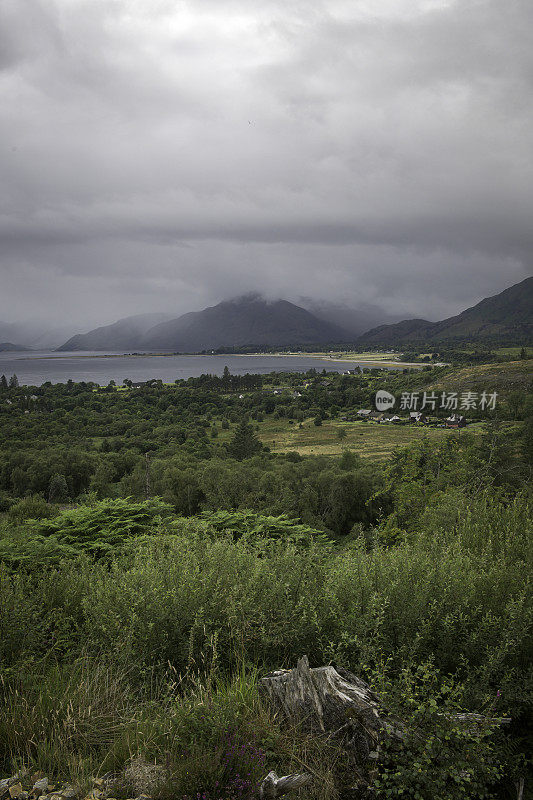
{"type": "Point", "coordinates": [341, 359]}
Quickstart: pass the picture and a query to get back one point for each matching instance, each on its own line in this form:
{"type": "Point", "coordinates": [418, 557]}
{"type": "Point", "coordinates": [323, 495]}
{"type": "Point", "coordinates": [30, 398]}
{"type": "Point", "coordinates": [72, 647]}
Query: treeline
{"type": "Point", "coordinates": [66, 441]}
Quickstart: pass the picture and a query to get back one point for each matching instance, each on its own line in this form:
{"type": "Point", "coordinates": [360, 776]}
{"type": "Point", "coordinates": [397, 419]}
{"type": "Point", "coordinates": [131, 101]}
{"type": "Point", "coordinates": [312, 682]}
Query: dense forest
{"type": "Point", "coordinates": [159, 551]}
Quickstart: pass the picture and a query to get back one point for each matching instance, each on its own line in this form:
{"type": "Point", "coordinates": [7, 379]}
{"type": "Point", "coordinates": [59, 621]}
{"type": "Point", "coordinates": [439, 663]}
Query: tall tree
{"type": "Point", "coordinates": [244, 443]}
{"type": "Point", "coordinates": [13, 382]}
{"type": "Point", "coordinates": [57, 489]}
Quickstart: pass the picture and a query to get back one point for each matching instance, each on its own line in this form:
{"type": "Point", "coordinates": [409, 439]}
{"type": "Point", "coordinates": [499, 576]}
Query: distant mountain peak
{"type": "Point", "coordinates": [245, 321]}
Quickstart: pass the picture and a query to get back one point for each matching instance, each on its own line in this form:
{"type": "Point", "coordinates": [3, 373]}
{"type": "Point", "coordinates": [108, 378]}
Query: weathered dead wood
{"type": "Point", "coordinates": [332, 701]}
{"type": "Point", "coordinates": [475, 721]}
{"type": "Point", "coordinates": [273, 787]}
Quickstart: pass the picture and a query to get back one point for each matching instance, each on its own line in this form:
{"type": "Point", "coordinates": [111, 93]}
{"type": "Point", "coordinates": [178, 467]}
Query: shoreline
{"type": "Point", "coordinates": [315, 355]}
{"type": "Point", "coordinates": [358, 361]}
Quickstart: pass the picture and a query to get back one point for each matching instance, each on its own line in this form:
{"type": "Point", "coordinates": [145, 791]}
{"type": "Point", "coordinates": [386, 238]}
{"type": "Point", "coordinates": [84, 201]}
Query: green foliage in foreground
{"type": "Point", "coordinates": [133, 627]}
{"type": "Point", "coordinates": [217, 739]}
{"type": "Point", "coordinates": [258, 528]}
{"type": "Point", "coordinates": [98, 530]}
{"type": "Point", "coordinates": [207, 595]}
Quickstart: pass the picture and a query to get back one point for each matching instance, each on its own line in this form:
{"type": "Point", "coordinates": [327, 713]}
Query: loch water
{"type": "Point", "coordinates": [35, 368]}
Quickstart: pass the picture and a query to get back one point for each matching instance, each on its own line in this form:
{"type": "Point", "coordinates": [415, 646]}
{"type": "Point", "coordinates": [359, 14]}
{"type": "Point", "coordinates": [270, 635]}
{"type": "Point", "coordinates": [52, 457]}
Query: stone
{"type": "Point", "coordinates": [40, 787]}
{"type": "Point", "coordinates": [16, 790]}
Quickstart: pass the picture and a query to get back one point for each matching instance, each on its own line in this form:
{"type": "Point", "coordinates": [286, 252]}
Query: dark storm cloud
{"type": "Point", "coordinates": [163, 155]}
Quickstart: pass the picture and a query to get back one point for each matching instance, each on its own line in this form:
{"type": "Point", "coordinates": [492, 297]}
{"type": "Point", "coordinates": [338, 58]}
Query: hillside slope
{"type": "Point", "coordinates": [9, 347]}
{"type": "Point", "coordinates": [508, 315]}
{"type": "Point", "coordinates": [125, 333]}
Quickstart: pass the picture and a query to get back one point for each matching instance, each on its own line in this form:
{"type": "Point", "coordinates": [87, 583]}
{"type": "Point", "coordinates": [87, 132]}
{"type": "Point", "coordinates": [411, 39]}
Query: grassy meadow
{"type": "Point", "coordinates": [369, 440]}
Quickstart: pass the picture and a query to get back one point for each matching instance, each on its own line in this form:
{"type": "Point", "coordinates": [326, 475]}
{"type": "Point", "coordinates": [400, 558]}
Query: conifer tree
{"type": "Point", "coordinates": [244, 443]}
{"type": "Point", "coordinates": [3, 382]}
{"type": "Point", "coordinates": [13, 382]}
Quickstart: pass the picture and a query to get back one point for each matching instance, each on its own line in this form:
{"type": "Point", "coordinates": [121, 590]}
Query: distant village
{"type": "Point", "coordinates": [412, 417]}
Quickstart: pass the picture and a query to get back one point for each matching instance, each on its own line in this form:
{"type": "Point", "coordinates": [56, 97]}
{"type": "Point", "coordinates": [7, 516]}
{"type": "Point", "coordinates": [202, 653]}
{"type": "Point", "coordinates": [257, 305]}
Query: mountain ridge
{"type": "Point", "coordinates": [251, 321]}
{"type": "Point", "coordinates": [126, 332]}
{"type": "Point", "coordinates": [246, 321]}
{"type": "Point", "coordinates": [10, 347]}
{"type": "Point", "coordinates": [507, 314]}
{"type": "Point", "coordinates": [241, 322]}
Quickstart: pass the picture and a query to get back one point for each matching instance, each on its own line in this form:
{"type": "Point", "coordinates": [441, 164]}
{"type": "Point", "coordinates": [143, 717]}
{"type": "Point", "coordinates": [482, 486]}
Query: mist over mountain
{"type": "Point", "coordinates": [508, 314]}
{"type": "Point", "coordinates": [251, 320]}
{"type": "Point", "coordinates": [34, 335]}
{"type": "Point", "coordinates": [125, 333]}
{"type": "Point", "coordinates": [241, 322]}
{"type": "Point", "coordinates": [244, 321]}
{"type": "Point", "coordinates": [354, 320]}
{"type": "Point", "coordinates": [10, 347]}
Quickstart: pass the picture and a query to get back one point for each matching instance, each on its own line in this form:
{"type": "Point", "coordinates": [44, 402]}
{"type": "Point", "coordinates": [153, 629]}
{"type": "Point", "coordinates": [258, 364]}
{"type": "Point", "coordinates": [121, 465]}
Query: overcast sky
{"type": "Point", "coordinates": [168, 154]}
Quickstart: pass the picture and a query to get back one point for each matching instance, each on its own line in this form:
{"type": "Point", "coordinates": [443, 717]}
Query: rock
{"type": "Point", "coordinates": [40, 787]}
{"type": "Point", "coordinates": [6, 783]}
{"type": "Point", "coordinates": [15, 790]}
{"type": "Point", "coordinates": [144, 778]}
{"type": "Point", "coordinates": [69, 792]}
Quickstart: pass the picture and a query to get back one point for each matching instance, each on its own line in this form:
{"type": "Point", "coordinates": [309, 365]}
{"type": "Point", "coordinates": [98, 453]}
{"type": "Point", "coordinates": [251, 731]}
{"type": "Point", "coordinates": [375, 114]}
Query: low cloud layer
{"type": "Point", "coordinates": [167, 154]}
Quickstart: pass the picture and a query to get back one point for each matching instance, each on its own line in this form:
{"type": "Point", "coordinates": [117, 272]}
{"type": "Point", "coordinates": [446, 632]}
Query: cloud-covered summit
{"type": "Point", "coordinates": [159, 155]}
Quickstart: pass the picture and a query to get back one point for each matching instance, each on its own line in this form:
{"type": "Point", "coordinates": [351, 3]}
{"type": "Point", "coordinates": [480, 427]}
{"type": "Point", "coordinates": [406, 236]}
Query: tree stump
{"type": "Point", "coordinates": [343, 708]}
{"type": "Point", "coordinates": [333, 701]}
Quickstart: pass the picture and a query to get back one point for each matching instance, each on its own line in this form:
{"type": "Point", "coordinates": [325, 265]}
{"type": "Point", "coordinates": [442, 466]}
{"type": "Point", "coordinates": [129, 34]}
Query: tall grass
{"type": "Point", "coordinates": [216, 739]}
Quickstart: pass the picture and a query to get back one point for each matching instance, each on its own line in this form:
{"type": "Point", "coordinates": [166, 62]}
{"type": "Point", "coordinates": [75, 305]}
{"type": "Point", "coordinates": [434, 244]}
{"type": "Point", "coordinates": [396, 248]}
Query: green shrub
{"type": "Point", "coordinates": [232, 587]}
{"type": "Point", "coordinates": [440, 755]}
{"type": "Point", "coordinates": [34, 507]}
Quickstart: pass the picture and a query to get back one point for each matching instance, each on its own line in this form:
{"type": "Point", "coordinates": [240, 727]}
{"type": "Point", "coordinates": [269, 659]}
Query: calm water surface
{"type": "Point", "coordinates": [36, 368]}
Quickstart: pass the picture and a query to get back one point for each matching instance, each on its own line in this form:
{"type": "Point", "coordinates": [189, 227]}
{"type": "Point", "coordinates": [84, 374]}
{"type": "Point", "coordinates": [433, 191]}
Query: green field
{"type": "Point", "coordinates": [368, 439]}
